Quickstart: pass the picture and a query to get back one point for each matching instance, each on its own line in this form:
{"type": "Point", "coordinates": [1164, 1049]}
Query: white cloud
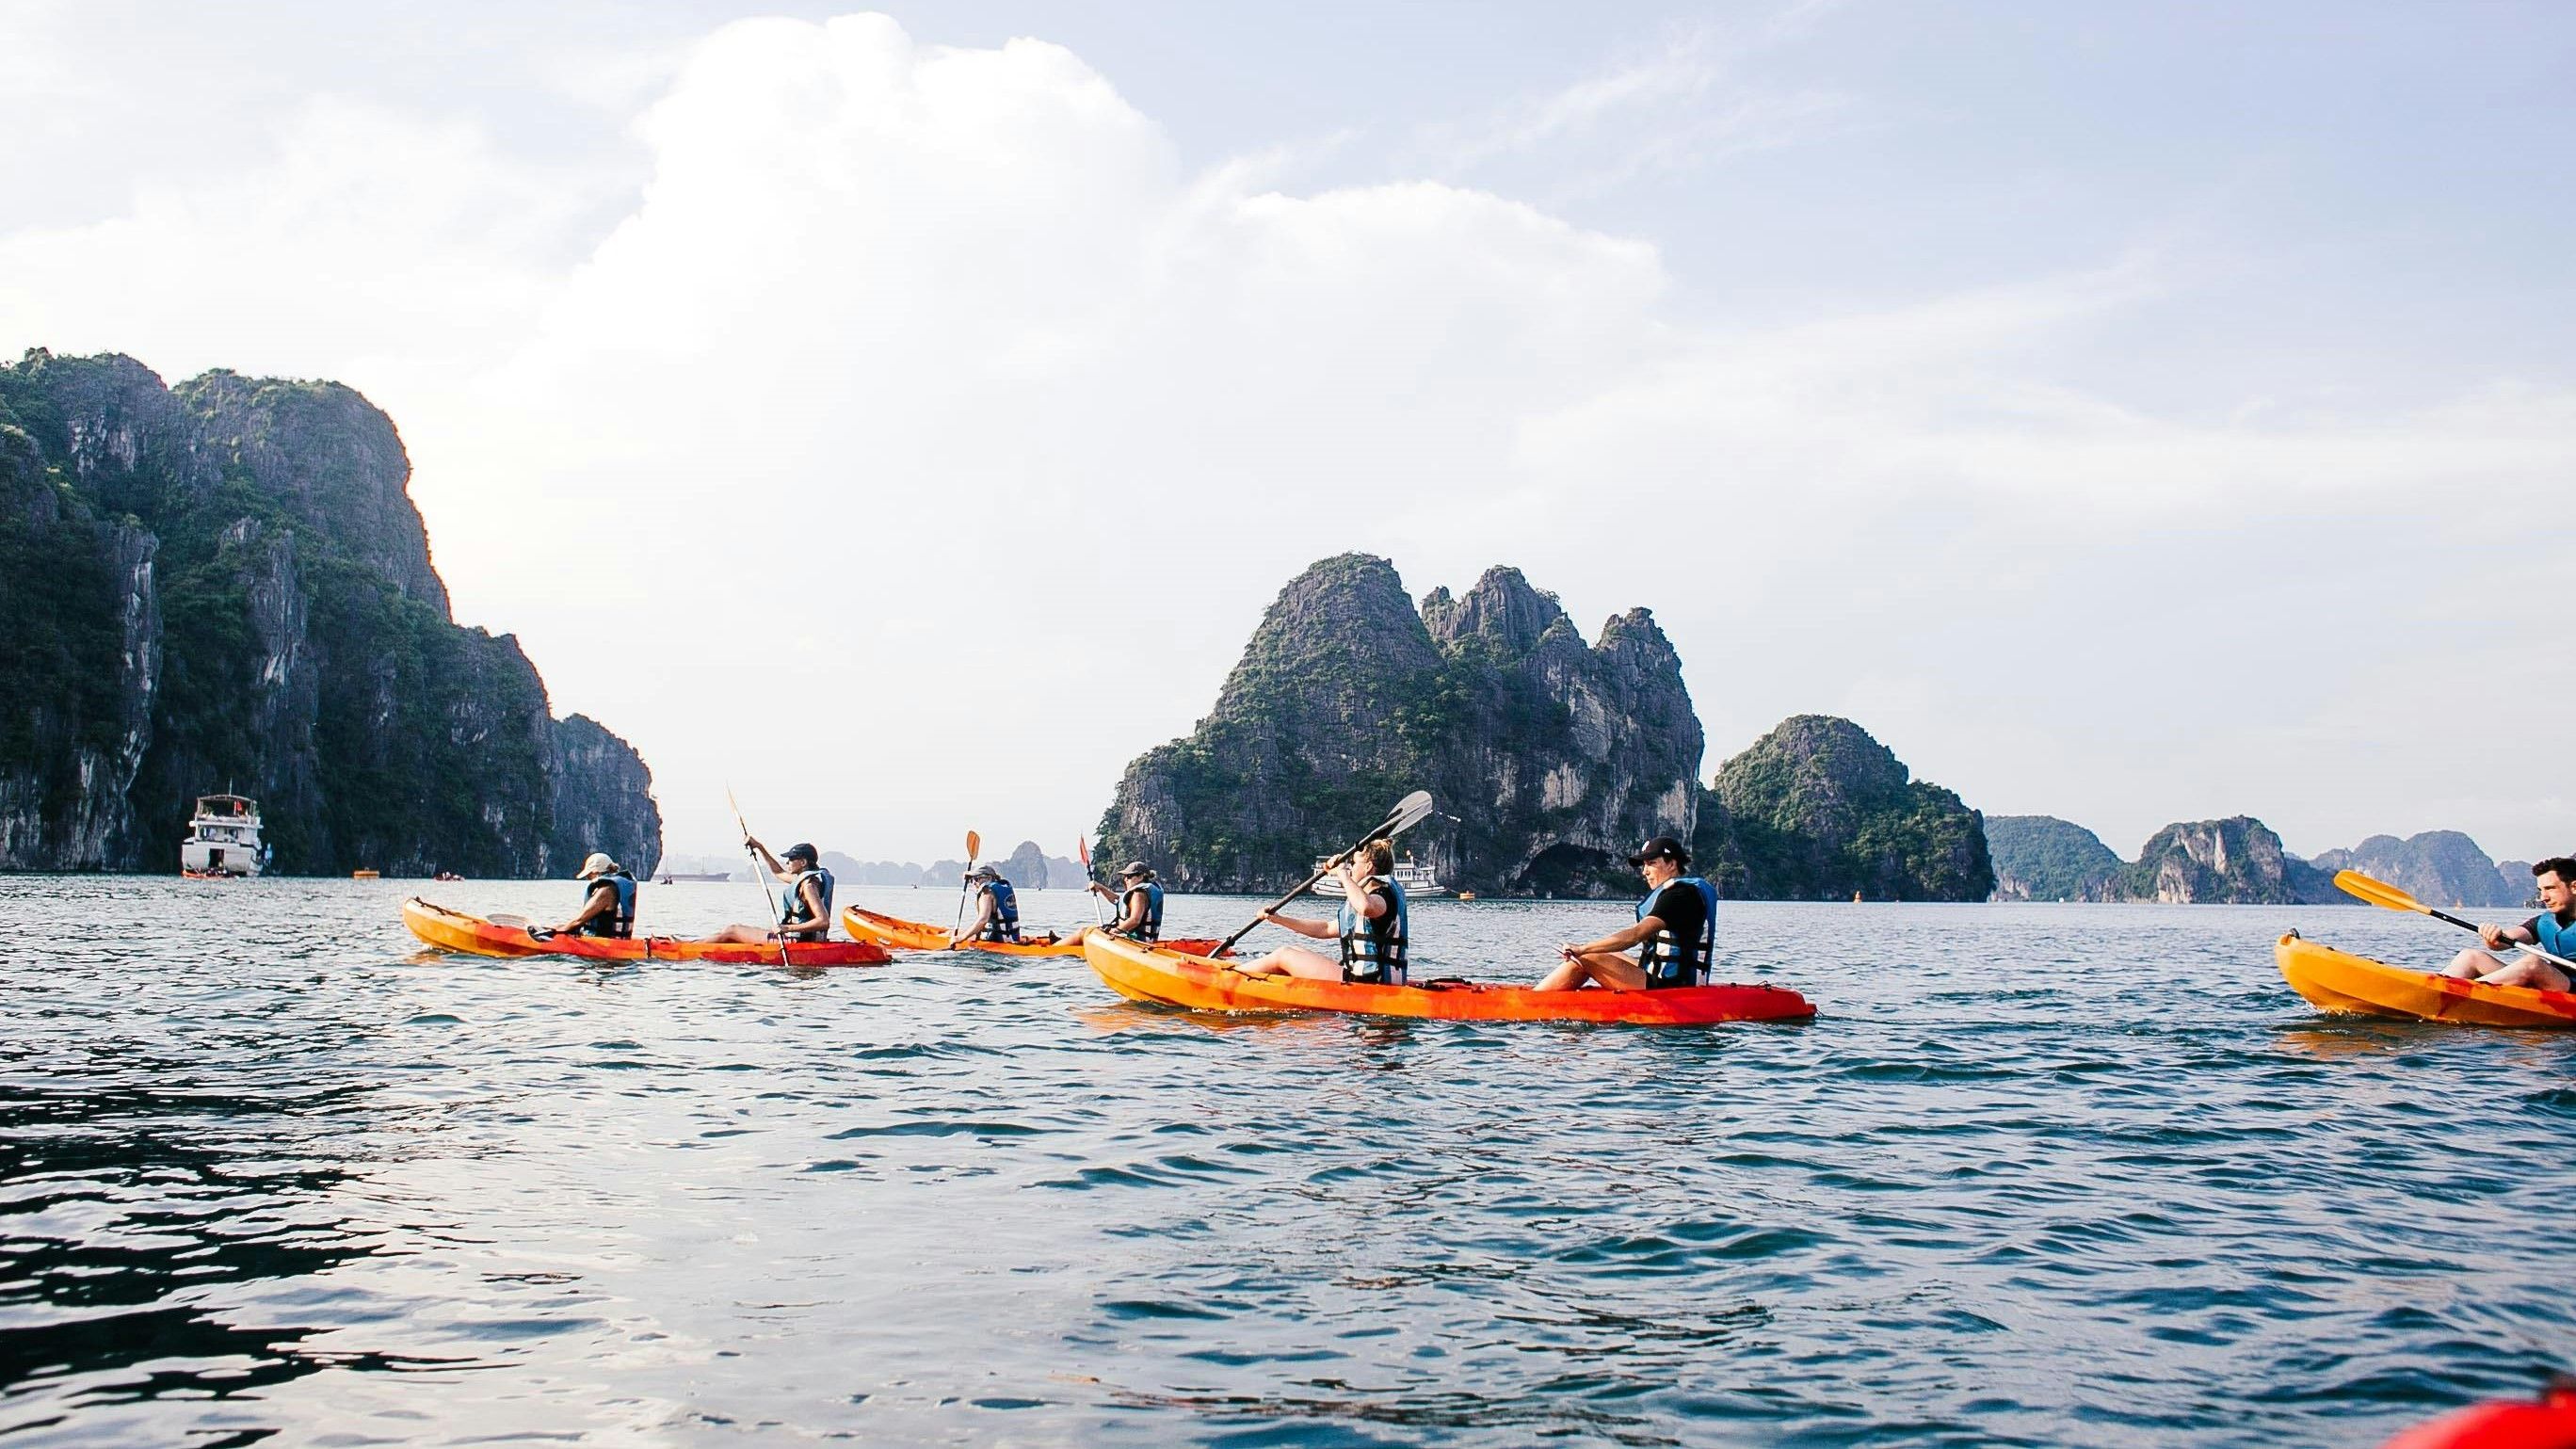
{"type": "Point", "coordinates": [923, 442]}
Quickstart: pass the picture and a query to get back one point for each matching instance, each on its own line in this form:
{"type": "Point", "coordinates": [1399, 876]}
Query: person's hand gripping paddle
{"type": "Point", "coordinates": [1409, 812]}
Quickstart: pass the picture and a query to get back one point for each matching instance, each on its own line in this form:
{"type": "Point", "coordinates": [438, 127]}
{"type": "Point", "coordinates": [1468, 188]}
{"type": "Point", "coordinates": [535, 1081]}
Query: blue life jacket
{"type": "Point", "coordinates": [619, 922]}
{"type": "Point", "coordinates": [1150, 928]}
{"type": "Point", "coordinates": [1005, 925]}
{"type": "Point", "coordinates": [2554, 938]}
{"type": "Point", "coordinates": [1373, 947]}
{"type": "Point", "coordinates": [1671, 961]}
{"type": "Point", "coordinates": [792, 912]}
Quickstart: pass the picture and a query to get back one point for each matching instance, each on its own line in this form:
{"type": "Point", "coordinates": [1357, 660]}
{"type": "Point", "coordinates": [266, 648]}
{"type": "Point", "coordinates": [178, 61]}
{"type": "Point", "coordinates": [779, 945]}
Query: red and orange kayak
{"type": "Point", "coordinates": [902, 935]}
{"type": "Point", "coordinates": [1171, 978]}
{"type": "Point", "coordinates": [474, 936]}
{"type": "Point", "coordinates": [2350, 985]}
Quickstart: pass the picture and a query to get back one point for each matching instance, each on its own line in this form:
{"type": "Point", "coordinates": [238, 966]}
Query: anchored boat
{"type": "Point", "coordinates": [223, 839]}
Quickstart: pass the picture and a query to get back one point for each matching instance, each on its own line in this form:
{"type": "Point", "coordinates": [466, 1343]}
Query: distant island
{"type": "Point", "coordinates": [224, 585]}
{"type": "Point", "coordinates": [2238, 861]}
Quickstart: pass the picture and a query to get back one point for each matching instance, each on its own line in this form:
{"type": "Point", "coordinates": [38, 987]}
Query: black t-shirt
{"type": "Point", "coordinates": [1683, 911]}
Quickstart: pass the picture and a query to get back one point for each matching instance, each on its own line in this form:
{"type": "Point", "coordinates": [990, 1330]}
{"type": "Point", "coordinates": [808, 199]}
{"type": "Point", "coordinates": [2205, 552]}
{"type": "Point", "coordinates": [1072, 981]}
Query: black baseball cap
{"type": "Point", "coordinates": [1664, 846]}
{"type": "Point", "coordinates": [1135, 867]}
{"type": "Point", "coordinates": [800, 851]}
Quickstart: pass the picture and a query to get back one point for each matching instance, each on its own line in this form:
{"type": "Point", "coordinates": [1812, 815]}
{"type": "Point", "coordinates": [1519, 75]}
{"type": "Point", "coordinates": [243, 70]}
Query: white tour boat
{"type": "Point", "coordinates": [223, 838]}
{"type": "Point", "coordinates": [1416, 878]}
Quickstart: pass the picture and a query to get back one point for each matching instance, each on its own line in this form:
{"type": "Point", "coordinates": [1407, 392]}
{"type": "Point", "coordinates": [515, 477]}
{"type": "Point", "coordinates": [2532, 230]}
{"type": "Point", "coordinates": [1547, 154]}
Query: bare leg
{"type": "Point", "coordinates": [743, 936]}
{"type": "Point", "coordinates": [2529, 971]}
{"type": "Point", "coordinates": [1611, 970]}
{"type": "Point", "coordinates": [2474, 965]}
{"type": "Point", "coordinates": [1294, 961]}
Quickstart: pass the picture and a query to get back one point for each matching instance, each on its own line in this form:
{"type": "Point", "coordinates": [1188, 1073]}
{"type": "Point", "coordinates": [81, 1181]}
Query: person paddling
{"type": "Point", "coordinates": [1373, 925]}
{"type": "Point", "coordinates": [997, 911]}
{"type": "Point", "coordinates": [1140, 905]}
{"type": "Point", "coordinates": [804, 911]}
{"type": "Point", "coordinates": [2553, 931]}
{"type": "Point", "coordinates": [608, 906]}
{"type": "Point", "coordinates": [1676, 924]}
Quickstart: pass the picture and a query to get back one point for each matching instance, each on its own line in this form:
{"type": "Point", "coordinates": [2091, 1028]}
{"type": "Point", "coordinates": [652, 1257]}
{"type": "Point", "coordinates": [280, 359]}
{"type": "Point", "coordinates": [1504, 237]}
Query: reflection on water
{"type": "Point", "coordinates": [2036, 1175]}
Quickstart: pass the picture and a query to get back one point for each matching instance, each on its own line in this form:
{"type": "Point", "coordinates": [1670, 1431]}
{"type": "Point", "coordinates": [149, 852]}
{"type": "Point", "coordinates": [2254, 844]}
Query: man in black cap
{"type": "Point", "coordinates": [1676, 923]}
{"type": "Point", "coordinates": [804, 912]}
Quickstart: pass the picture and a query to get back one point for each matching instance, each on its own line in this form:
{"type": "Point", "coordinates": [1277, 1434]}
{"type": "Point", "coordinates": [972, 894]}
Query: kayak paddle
{"type": "Point", "coordinates": [2381, 893]}
{"type": "Point", "coordinates": [1082, 847]}
{"type": "Point", "coordinates": [1409, 812]}
{"type": "Point", "coordinates": [760, 873]}
{"type": "Point", "coordinates": [974, 847]}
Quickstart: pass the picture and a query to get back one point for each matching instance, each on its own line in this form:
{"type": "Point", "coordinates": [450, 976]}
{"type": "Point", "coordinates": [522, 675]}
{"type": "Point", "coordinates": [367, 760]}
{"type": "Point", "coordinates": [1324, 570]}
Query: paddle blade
{"type": "Point", "coordinates": [974, 847]}
{"type": "Point", "coordinates": [1409, 812]}
{"type": "Point", "coordinates": [1082, 848]}
{"type": "Point", "coordinates": [2378, 892]}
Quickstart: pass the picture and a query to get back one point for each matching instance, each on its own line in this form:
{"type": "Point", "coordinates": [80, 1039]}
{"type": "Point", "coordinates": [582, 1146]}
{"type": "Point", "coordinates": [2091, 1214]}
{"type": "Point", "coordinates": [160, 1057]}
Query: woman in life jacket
{"type": "Point", "coordinates": [1139, 901]}
{"type": "Point", "coordinates": [2553, 931]}
{"type": "Point", "coordinates": [1676, 926]}
{"type": "Point", "coordinates": [608, 905]}
{"type": "Point", "coordinates": [1373, 926]}
{"type": "Point", "coordinates": [997, 911]}
{"type": "Point", "coordinates": [804, 908]}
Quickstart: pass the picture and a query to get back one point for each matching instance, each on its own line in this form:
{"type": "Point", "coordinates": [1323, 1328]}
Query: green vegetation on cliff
{"type": "Point", "coordinates": [2043, 858]}
{"type": "Point", "coordinates": [1554, 755]}
{"type": "Point", "coordinates": [1818, 810]}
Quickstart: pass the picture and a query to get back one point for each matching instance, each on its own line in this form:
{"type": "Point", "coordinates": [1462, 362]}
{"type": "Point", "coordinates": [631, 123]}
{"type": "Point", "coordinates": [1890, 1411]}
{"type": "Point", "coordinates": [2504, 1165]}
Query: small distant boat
{"type": "Point", "coordinates": [1417, 879]}
{"type": "Point", "coordinates": [447, 875]}
{"type": "Point", "coordinates": [673, 877]}
{"type": "Point", "coordinates": [223, 839]}
{"type": "Point", "coordinates": [1466, 895]}
{"type": "Point", "coordinates": [362, 873]}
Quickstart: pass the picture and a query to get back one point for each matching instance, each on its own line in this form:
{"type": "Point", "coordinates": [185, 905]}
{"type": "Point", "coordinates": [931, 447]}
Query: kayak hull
{"type": "Point", "coordinates": [1171, 978]}
{"type": "Point", "coordinates": [2350, 985]}
{"type": "Point", "coordinates": [898, 934]}
{"type": "Point", "coordinates": [474, 936]}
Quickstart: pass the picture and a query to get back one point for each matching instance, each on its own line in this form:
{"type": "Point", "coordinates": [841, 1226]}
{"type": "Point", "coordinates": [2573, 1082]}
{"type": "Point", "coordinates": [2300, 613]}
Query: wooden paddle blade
{"type": "Point", "coordinates": [2378, 892]}
{"type": "Point", "coordinates": [974, 847]}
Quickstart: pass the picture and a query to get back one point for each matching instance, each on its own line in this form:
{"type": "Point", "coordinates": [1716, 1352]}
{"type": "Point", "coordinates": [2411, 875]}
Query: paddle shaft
{"type": "Point", "coordinates": [1082, 847]}
{"type": "Point", "coordinates": [974, 846]}
{"type": "Point", "coordinates": [760, 873]}
{"type": "Point", "coordinates": [1386, 827]}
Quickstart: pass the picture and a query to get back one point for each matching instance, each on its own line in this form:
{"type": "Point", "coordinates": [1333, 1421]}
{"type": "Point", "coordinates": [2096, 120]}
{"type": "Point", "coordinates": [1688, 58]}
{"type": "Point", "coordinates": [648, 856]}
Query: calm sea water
{"type": "Point", "coordinates": [2042, 1175]}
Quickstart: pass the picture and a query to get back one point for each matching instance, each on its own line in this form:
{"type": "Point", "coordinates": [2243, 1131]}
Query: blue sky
{"type": "Point", "coordinates": [2128, 413]}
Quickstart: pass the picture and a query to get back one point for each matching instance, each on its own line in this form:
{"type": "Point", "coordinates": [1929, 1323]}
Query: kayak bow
{"type": "Point", "coordinates": [1172, 978]}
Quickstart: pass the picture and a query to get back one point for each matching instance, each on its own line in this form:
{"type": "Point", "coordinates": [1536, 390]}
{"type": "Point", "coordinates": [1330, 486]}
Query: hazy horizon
{"type": "Point", "coordinates": [2130, 415]}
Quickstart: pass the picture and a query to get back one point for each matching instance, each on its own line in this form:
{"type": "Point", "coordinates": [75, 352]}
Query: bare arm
{"type": "Point", "coordinates": [1619, 940]}
{"type": "Point", "coordinates": [603, 899]}
{"type": "Point", "coordinates": [1320, 930]}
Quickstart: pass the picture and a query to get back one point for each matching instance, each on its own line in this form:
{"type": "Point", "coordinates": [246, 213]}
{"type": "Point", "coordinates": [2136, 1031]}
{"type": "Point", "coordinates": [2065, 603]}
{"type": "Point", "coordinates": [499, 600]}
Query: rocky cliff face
{"type": "Point", "coordinates": [2043, 858]}
{"type": "Point", "coordinates": [2437, 867]}
{"type": "Point", "coordinates": [1556, 756]}
{"type": "Point", "coordinates": [2236, 861]}
{"type": "Point", "coordinates": [1818, 810]}
{"type": "Point", "coordinates": [227, 586]}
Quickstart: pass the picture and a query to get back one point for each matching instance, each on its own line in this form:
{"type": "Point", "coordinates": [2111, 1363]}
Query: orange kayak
{"type": "Point", "coordinates": [474, 936]}
{"type": "Point", "coordinates": [2352, 985]}
{"type": "Point", "coordinates": [902, 935]}
{"type": "Point", "coordinates": [1171, 978]}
